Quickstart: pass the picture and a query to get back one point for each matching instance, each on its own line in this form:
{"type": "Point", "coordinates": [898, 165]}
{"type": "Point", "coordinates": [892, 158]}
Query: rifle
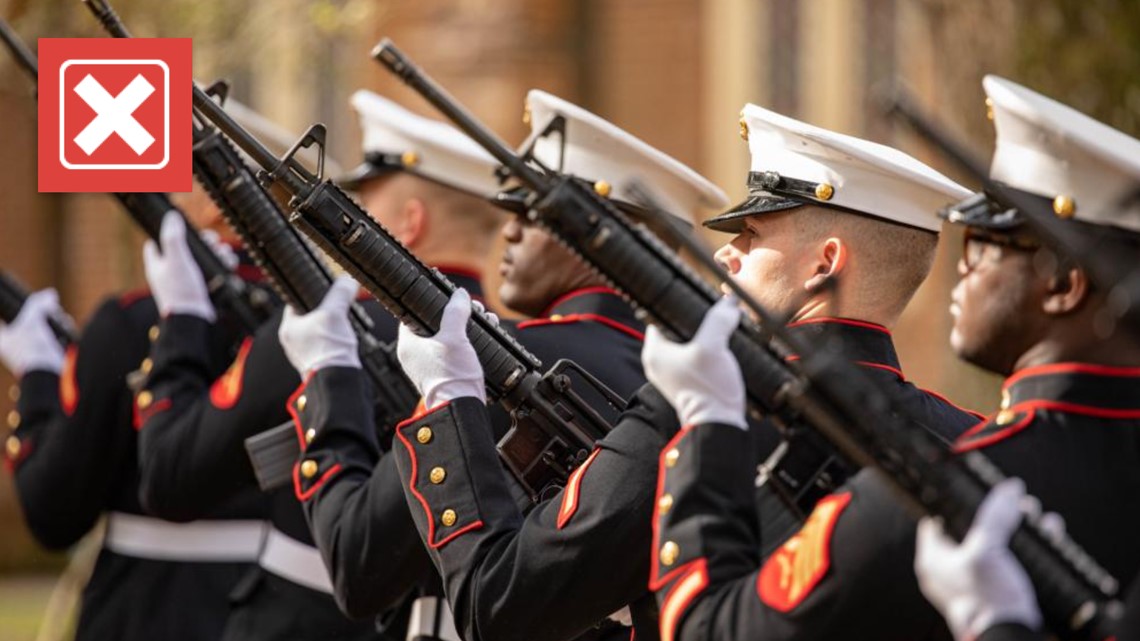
{"type": "Point", "coordinates": [13, 293]}
{"type": "Point", "coordinates": [295, 269]}
{"type": "Point", "coordinates": [1112, 266]}
{"type": "Point", "coordinates": [249, 305]}
{"type": "Point", "coordinates": [863, 423]}
{"type": "Point", "coordinates": [553, 426]}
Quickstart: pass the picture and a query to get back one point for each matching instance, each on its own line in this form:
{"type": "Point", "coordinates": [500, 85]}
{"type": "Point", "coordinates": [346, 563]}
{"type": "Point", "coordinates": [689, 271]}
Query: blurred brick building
{"type": "Point", "coordinates": [674, 72]}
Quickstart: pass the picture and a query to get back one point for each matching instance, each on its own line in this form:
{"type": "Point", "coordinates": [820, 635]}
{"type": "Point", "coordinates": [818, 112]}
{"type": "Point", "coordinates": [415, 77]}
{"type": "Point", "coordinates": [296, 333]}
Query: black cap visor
{"type": "Point", "coordinates": [983, 211]}
{"type": "Point", "coordinates": [732, 221]}
{"type": "Point", "coordinates": [375, 165]}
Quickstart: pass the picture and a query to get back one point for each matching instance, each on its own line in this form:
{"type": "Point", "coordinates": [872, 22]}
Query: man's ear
{"type": "Point", "coordinates": [413, 223]}
{"type": "Point", "coordinates": [1068, 290]}
{"type": "Point", "coordinates": [829, 262]}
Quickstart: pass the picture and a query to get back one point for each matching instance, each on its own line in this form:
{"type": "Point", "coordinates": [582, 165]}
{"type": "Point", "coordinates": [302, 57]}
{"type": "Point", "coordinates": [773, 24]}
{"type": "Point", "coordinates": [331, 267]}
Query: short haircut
{"type": "Point", "coordinates": [887, 261]}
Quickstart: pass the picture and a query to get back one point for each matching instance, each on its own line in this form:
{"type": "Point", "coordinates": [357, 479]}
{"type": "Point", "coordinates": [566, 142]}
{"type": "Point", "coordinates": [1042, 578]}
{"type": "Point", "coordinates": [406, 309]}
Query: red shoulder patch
{"type": "Point", "coordinates": [68, 387]}
{"type": "Point", "coordinates": [226, 391]}
{"type": "Point", "coordinates": [793, 571]}
{"type": "Point", "coordinates": [572, 490]}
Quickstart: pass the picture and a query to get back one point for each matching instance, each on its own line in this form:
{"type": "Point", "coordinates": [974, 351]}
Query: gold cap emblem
{"type": "Point", "coordinates": [1064, 206]}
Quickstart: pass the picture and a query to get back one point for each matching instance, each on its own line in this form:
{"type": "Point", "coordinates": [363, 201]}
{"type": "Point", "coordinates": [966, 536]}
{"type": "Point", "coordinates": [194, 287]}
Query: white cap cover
{"type": "Point", "coordinates": [397, 139]}
{"type": "Point", "coordinates": [602, 153]}
{"type": "Point", "coordinates": [794, 163]}
{"type": "Point", "coordinates": [1090, 170]}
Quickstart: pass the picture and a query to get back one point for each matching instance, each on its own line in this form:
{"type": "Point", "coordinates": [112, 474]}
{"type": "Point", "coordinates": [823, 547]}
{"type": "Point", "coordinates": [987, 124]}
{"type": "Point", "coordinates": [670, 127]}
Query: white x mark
{"type": "Point", "coordinates": [114, 114]}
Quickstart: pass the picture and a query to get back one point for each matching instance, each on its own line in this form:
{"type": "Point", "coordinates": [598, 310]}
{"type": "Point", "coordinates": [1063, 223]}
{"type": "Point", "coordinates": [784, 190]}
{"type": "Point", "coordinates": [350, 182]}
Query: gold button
{"type": "Point", "coordinates": [437, 475]}
{"type": "Point", "coordinates": [1064, 206]}
{"type": "Point", "coordinates": [146, 365]}
{"type": "Point", "coordinates": [409, 159]}
{"type": "Point", "coordinates": [14, 393]}
{"type": "Point", "coordinates": [669, 553]}
{"type": "Point", "coordinates": [152, 333]}
{"type": "Point", "coordinates": [1005, 417]}
{"type": "Point", "coordinates": [603, 188]}
{"type": "Point", "coordinates": [743, 128]}
{"type": "Point", "coordinates": [448, 517]}
{"type": "Point", "coordinates": [145, 399]}
{"type": "Point", "coordinates": [12, 446]}
{"type": "Point", "coordinates": [664, 504]}
{"type": "Point", "coordinates": [671, 457]}
{"type": "Point", "coordinates": [824, 191]}
{"type": "Point", "coordinates": [310, 435]}
{"type": "Point", "coordinates": [309, 468]}
{"type": "Point", "coordinates": [302, 401]}
{"type": "Point", "coordinates": [989, 109]}
{"type": "Point", "coordinates": [424, 435]}
{"type": "Point", "coordinates": [1005, 399]}
{"type": "Point", "coordinates": [13, 419]}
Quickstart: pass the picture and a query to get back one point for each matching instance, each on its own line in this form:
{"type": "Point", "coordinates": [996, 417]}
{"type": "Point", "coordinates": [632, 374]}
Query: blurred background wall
{"type": "Point", "coordinates": [674, 72]}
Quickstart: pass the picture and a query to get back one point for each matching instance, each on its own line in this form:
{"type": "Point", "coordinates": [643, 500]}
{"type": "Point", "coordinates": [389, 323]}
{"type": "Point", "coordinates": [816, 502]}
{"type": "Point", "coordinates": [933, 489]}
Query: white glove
{"type": "Point", "coordinates": [28, 344]}
{"type": "Point", "coordinates": [978, 583]}
{"type": "Point", "coordinates": [175, 280]}
{"type": "Point", "coordinates": [701, 378]}
{"type": "Point", "coordinates": [443, 367]}
{"type": "Point", "coordinates": [324, 336]}
{"type": "Point", "coordinates": [221, 248]}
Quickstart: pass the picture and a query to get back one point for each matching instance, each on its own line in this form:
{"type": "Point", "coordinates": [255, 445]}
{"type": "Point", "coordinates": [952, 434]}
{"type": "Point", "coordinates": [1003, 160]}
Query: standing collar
{"type": "Point", "coordinates": [866, 344]}
{"type": "Point", "coordinates": [597, 304]}
{"type": "Point", "coordinates": [1077, 387]}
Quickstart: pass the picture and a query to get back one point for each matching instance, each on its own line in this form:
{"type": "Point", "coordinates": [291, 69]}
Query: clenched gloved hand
{"type": "Point", "coordinates": [443, 367]}
{"type": "Point", "coordinates": [978, 583]}
{"type": "Point", "coordinates": [28, 344]}
{"type": "Point", "coordinates": [323, 337]}
{"type": "Point", "coordinates": [175, 280]}
{"type": "Point", "coordinates": [701, 378]}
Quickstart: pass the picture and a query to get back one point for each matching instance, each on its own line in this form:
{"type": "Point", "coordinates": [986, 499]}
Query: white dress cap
{"type": "Point", "coordinates": [794, 163]}
{"type": "Point", "coordinates": [1089, 170]}
{"type": "Point", "coordinates": [396, 139]}
{"type": "Point", "coordinates": [599, 152]}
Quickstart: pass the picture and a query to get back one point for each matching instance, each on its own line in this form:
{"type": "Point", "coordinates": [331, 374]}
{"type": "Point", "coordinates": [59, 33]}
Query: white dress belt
{"type": "Point", "coordinates": [146, 537]}
{"type": "Point", "coordinates": [423, 624]}
{"type": "Point", "coordinates": [294, 561]}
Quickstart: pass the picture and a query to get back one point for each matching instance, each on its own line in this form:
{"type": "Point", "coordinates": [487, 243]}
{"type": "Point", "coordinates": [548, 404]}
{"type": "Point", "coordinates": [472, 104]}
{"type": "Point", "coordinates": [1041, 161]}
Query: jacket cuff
{"type": "Point", "coordinates": [330, 402]}
{"type": "Point", "coordinates": [441, 457]}
{"type": "Point", "coordinates": [708, 469]}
